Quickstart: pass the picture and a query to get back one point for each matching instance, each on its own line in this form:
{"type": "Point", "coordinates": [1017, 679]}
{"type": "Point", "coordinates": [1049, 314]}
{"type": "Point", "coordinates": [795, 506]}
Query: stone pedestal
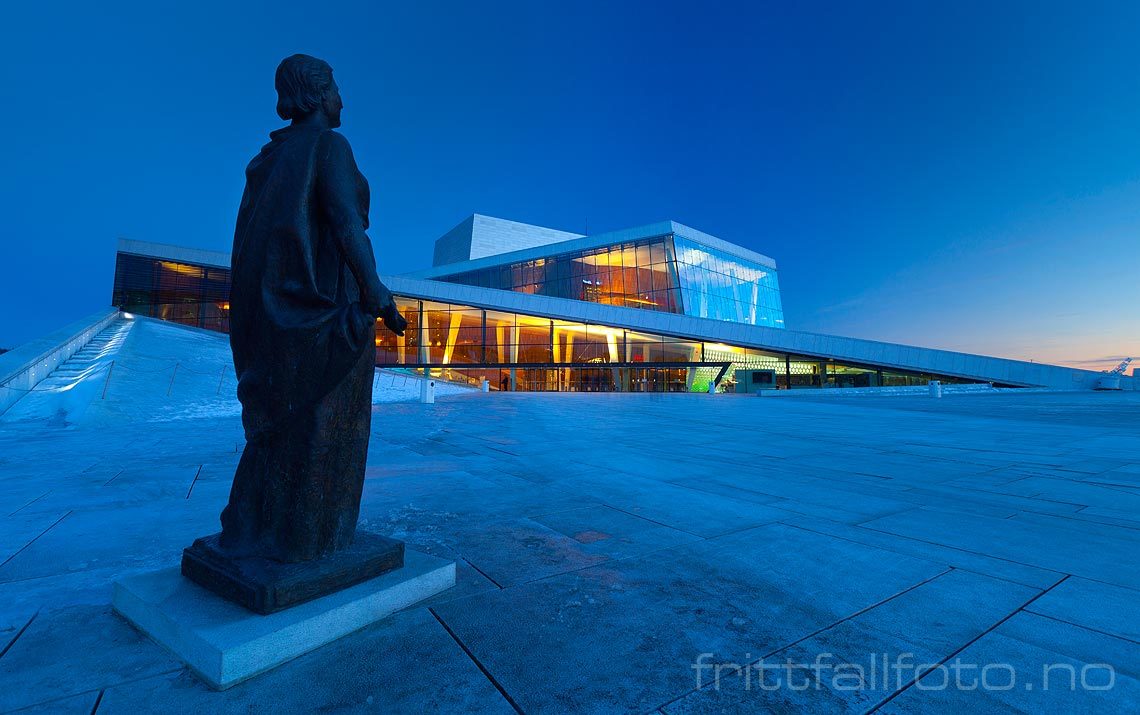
{"type": "Point", "coordinates": [265, 586]}
{"type": "Point", "coordinates": [225, 643]}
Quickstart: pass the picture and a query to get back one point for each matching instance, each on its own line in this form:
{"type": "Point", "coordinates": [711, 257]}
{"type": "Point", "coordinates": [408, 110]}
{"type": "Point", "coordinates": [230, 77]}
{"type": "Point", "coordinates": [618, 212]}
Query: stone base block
{"type": "Point", "coordinates": [225, 643]}
{"type": "Point", "coordinates": [265, 586]}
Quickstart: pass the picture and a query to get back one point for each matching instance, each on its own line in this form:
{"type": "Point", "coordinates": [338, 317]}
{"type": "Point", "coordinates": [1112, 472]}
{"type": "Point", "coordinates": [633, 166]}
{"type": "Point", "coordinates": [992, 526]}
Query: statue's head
{"type": "Point", "coordinates": [305, 85]}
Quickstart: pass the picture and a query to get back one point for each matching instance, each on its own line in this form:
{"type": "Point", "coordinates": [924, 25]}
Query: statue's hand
{"type": "Point", "coordinates": [393, 320]}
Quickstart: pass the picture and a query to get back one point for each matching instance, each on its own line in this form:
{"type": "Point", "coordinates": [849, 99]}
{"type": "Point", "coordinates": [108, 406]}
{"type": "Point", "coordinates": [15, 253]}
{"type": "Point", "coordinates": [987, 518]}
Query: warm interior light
{"type": "Point", "coordinates": [720, 346]}
{"type": "Point", "coordinates": [182, 268]}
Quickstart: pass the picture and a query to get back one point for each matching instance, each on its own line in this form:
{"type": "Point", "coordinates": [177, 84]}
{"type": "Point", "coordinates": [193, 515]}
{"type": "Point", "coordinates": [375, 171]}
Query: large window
{"type": "Point", "coordinates": [666, 273]}
{"type": "Point", "coordinates": [183, 293]}
{"type": "Point", "coordinates": [638, 274]}
{"type": "Point", "coordinates": [516, 351]}
{"type": "Point", "coordinates": [717, 285]}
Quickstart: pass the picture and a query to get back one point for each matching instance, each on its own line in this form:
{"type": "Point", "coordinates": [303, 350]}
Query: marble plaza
{"type": "Point", "coordinates": [615, 552]}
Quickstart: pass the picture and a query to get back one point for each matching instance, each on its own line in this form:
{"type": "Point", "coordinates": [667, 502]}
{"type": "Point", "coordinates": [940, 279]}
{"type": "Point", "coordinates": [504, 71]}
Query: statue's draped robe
{"type": "Point", "coordinates": [303, 348]}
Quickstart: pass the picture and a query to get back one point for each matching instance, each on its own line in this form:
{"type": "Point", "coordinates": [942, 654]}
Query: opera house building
{"type": "Point", "coordinates": [661, 307]}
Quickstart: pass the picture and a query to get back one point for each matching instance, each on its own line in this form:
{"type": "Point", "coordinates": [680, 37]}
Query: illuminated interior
{"type": "Point", "coordinates": [184, 293]}
{"type": "Point", "coordinates": [667, 273]}
{"type": "Point", "coordinates": [517, 351]}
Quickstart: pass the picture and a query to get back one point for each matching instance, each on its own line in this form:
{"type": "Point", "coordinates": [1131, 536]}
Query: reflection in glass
{"type": "Point", "coordinates": [515, 351]}
{"type": "Point", "coordinates": [666, 273]}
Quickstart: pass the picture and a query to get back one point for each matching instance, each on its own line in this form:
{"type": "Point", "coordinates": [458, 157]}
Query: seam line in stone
{"type": "Point", "coordinates": [18, 634]}
{"type": "Point", "coordinates": [969, 643]}
{"type": "Point", "coordinates": [486, 673]}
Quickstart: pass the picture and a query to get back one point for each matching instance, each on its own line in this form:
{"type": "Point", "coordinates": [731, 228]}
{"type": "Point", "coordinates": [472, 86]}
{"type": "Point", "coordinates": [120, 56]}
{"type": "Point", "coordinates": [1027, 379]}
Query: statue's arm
{"type": "Point", "coordinates": [337, 191]}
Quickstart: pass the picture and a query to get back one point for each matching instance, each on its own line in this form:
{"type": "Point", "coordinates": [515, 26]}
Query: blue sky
{"type": "Point", "coordinates": [964, 175]}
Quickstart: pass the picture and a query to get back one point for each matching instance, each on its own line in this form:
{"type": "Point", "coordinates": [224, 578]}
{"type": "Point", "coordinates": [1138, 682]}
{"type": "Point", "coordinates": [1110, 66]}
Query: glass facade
{"type": "Point", "coordinates": [717, 285]}
{"type": "Point", "coordinates": [516, 351]}
{"type": "Point", "coordinates": [198, 296]}
{"type": "Point", "coordinates": [667, 273]}
{"type": "Point", "coordinates": [519, 351]}
{"type": "Point", "coordinates": [639, 274]}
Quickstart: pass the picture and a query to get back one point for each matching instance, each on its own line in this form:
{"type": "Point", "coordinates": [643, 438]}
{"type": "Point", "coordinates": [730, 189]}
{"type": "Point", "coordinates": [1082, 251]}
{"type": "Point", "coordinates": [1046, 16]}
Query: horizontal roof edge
{"type": "Point", "coordinates": [818, 345]}
{"type": "Point", "coordinates": [720, 244]}
{"type": "Point", "coordinates": [498, 220]}
{"type": "Point", "coordinates": [197, 256]}
{"type": "Point", "coordinates": [659, 228]}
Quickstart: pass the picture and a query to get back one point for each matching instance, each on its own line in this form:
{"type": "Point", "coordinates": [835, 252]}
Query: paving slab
{"type": "Point", "coordinates": [784, 487]}
{"type": "Point", "coordinates": [958, 558]}
{"type": "Point", "coordinates": [89, 587]}
{"type": "Point", "coordinates": [406, 663]}
{"type": "Point", "coordinates": [135, 537]}
{"type": "Point", "coordinates": [82, 704]}
{"type": "Point", "coordinates": [1094, 555]}
{"type": "Point", "coordinates": [1111, 516]}
{"type": "Point", "coordinates": [612, 532]}
{"type": "Point", "coordinates": [23, 529]}
{"type": "Point", "coordinates": [1102, 607]}
{"type": "Point", "coordinates": [1032, 664]}
{"type": "Point", "coordinates": [75, 650]}
{"type": "Point", "coordinates": [1073, 492]}
{"type": "Point", "coordinates": [639, 624]}
{"type": "Point", "coordinates": [460, 493]}
{"type": "Point", "coordinates": [858, 663]}
{"type": "Point", "coordinates": [691, 510]}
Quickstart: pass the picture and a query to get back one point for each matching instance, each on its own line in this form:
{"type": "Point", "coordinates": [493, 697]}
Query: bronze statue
{"type": "Point", "coordinates": [303, 310]}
